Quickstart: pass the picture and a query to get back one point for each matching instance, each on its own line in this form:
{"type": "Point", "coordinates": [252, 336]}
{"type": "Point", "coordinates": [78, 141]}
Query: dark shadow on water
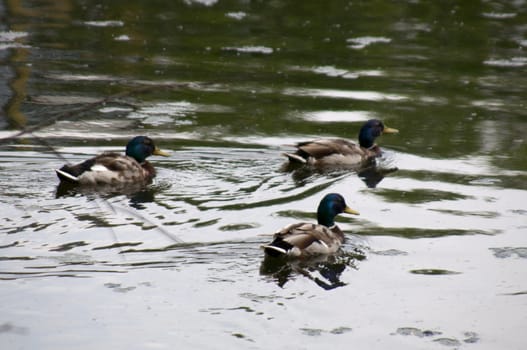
{"type": "Point", "coordinates": [371, 173]}
{"type": "Point", "coordinates": [324, 270]}
{"type": "Point", "coordinates": [138, 194]}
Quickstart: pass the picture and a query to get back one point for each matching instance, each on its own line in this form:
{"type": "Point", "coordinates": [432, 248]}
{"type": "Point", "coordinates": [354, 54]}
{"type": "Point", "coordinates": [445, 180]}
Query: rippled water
{"type": "Point", "coordinates": [435, 260]}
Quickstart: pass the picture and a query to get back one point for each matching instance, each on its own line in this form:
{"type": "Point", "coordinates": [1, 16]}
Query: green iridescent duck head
{"type": "Point", "coordinates": [330, 206]}
{"type": "Point", "coordinates": [142, 147]}
{"type": "Point", "coordinates": [372, 129]}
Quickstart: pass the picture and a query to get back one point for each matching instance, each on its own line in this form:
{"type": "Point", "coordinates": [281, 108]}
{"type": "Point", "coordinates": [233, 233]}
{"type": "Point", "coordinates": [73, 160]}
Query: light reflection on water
{"type": "Point", "coordinates": [200, 193]}
{"type": "Point", "coordinates": [354, 95]}
{"type": "Point", "coordinates": [200, 226]}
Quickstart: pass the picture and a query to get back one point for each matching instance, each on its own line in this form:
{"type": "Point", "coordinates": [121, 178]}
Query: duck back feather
{"type": "Point", "coordinates": [107, 168]}
{"type": "Point", "coordinates": [328, 152]}
{"type": "Point", "coordinates": [304, 239]}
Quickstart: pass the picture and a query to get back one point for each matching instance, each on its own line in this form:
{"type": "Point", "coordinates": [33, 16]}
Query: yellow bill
{"type": "Point", "coordinates": [351, 211]}
{"type": "Point", "coordinates": [159, 152]}
{"type": "Point", "coordinates": [388, 130]}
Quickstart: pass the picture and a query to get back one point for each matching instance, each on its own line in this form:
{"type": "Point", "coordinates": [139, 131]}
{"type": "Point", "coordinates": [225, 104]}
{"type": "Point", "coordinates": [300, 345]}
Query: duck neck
{"type": "Point", "coordinates": [136, 154]}
{"type": "Point", "coordinates": [368, 133]}
{"type": "Point", "coordinates": [366, 139]}
{"type": "Point", "coordinates": [325, 218]}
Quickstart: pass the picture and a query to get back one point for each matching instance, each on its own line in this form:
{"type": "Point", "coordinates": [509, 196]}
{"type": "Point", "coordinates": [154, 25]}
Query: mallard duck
{"type": "Point", "coordinates": [304, 239]}
{"type": "Point", "coordinates": [339, 151]}
{"type": "Point", "coordinates": [113, 168]}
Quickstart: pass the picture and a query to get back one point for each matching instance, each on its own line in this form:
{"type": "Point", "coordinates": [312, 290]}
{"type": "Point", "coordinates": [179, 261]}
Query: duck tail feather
{"type": "Point", "coordinates": [295, 158]}
{"type": "Point", "coordinates": [277, 248]}
{"type": "Point", "coordinates": [64, 176]}
{"type": "Point", "coordinates": [274, 251]}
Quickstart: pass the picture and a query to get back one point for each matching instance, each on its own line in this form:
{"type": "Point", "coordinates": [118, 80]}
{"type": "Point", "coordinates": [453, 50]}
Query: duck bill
{"type": "Point", "coordinates": [159, 152]}
{"type": "Point", "coordinates": [388, 130]}
{"type": "Point", "coordinates": [351, 211]}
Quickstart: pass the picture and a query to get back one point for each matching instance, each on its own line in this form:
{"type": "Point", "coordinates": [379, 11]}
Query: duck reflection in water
{"type": "Point", "coordinates": [371, 172]}
{"type": "Point", "coordinates": [137, 193]}
{"type": "Point", "coordinates": [324, 270]}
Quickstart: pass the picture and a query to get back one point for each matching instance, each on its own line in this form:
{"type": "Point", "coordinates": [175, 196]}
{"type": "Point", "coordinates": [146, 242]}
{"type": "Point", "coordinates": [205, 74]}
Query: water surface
{"type": "Point", "coordinates": [435, 260]}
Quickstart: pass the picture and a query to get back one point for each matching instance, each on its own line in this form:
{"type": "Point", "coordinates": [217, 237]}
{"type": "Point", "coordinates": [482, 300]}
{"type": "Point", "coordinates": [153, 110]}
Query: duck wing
{"type": "Point", "coordinates": [328, 151]}
{"type": "Point", "coordinates": [305, 239]}
{"type": "Point", "coordinates": [105, 168]}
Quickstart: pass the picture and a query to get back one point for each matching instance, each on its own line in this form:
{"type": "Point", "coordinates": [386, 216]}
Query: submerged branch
{"type": "Point", "coordinates": [76, 113]}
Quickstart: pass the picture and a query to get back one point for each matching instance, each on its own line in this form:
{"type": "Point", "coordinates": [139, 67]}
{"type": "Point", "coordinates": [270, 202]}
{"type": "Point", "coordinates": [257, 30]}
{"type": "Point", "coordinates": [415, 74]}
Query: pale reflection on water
{"type": "Point", "coordinates": [436, 258]}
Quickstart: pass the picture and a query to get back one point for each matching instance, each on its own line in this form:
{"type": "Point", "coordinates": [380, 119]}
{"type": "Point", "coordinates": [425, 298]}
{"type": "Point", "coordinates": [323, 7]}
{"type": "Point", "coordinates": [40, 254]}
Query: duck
{"type": "Point", "coordinates": [335, 151]}
{"type": "Point", "coordinates": [309, 239]}
{"type": "Point", "coordinates": [112, 168]}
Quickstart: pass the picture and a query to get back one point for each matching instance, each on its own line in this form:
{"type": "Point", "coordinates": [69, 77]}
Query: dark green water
{"type": "Point", "coordinates": [437, 258]}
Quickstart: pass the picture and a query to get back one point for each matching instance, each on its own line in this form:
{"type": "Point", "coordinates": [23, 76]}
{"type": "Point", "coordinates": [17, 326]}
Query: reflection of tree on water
{"type": "Point", "coordinates": [324, 270]}
{"type": "Point", "coordinates": [371, 172]}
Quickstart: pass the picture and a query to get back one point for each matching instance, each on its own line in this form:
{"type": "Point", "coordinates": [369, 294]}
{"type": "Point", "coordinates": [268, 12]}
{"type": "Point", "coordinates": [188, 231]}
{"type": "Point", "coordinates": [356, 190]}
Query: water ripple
{"type": "Point", "coordinates": [346, 94]}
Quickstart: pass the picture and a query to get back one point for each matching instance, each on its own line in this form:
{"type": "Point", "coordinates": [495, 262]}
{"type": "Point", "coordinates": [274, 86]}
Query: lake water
{"type": "Point", "coordinates": [436, 260]}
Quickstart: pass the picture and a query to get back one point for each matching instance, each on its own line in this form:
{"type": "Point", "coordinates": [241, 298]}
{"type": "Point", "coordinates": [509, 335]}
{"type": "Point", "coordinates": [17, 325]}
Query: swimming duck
{"type": "Point", "coordinates": [342, 152]}
{"type": "Point", "coordinates": [113, 168]}
{"type": "Point", "coordinates": [305, 239]}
